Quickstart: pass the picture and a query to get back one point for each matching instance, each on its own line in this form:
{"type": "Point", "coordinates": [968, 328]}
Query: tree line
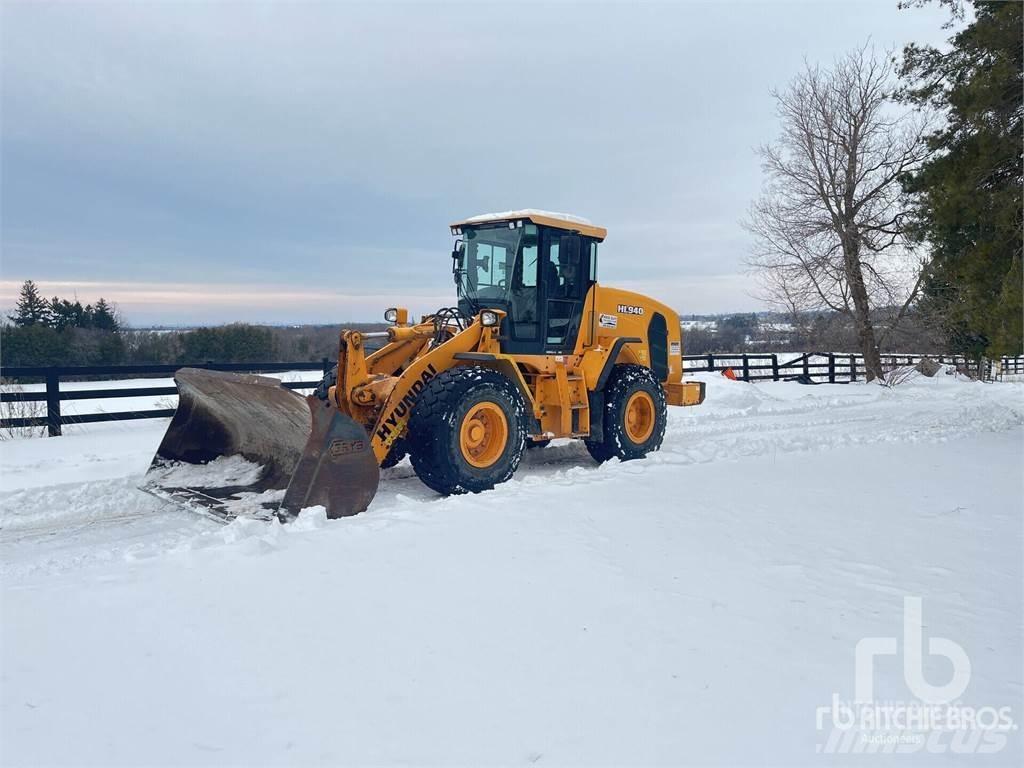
{"type": "Point", "coordinates": [61, 332]}
{"type": "Point", "coordinates": [806, 332]}
{"type": "Point", "coordinates": [58, 331]}
{"type": "Point", "coordinates": [32, 310]}
{"type": "Point", "coordinates": [894, 190]}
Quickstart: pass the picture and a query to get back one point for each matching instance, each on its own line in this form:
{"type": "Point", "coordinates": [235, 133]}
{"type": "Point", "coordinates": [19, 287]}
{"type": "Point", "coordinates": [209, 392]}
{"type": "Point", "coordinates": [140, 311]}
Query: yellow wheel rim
{"type": "Point", "coordinates": [483, 434]}
{"type": "Point", "coordinates": [639, 417]}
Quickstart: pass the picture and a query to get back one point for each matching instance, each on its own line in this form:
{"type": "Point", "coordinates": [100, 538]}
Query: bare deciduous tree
{"type": "Point", "coordinates": [829, 224]}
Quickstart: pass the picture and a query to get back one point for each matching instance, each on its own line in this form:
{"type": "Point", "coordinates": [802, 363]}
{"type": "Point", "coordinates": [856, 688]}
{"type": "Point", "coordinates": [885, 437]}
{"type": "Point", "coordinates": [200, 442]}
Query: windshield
{"type": "Point", "coordinates": [499, 268]}
{"type": "Point", "coordinates": [489, 267]}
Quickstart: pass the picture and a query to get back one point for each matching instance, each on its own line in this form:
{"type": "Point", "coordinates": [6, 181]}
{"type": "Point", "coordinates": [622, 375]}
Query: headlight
{"type": "Point", "coordinates": [488, 318]}
{"type": "Point", "coordinates": [391, 315]}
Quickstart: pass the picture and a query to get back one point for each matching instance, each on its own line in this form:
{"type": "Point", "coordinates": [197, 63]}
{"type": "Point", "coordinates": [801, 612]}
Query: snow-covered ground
{"type": "Point", "coordinates": [696, 607]}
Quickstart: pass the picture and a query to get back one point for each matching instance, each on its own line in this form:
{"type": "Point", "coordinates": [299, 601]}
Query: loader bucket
{"type": "Point", "coordinates": [337, 470]}
{"type": "Point", "coordinates": [236, 441]}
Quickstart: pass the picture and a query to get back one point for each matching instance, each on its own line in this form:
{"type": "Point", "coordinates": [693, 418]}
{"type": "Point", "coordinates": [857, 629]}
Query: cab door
{"type": "Point", "coordinates": [522, 331]}
{"type": "Point", "coordinates": [566, 279]}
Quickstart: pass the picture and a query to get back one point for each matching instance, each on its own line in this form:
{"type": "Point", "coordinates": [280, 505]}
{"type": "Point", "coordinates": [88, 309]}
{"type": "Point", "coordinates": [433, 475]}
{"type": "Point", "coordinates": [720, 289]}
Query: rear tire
{"type": "Point", "coordinates": [467, 430]}
{"type": "Point", "coordinates": [635, 415]}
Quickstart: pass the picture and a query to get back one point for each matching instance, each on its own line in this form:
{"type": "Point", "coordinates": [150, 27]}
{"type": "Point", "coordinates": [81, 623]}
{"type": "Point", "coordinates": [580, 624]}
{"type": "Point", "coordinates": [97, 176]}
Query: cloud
{"type": "Point", "coordinates": [191, 303]}
{"type": "Point", "coordinates": [329, 144]}
{"type": "Point", "coordinates": [183, 303]}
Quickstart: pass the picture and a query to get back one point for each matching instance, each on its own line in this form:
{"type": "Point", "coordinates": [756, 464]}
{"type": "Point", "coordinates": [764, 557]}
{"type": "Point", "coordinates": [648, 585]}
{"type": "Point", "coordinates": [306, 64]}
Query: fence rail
{"type": "Point", "coordinates": [838, 368]}
{"type": "Point", "coordinates": [811, 367]}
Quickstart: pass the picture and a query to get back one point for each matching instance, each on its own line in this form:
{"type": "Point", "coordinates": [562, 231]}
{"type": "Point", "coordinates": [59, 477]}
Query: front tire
{"type": "Point", "coordinates": [635, 415]}
{"type": "Point", "coordinates": [398, 448]}
{"type": "Point", "coordinates": [396, 454]}
{"type": "Point", "coordinates": [467, 430]}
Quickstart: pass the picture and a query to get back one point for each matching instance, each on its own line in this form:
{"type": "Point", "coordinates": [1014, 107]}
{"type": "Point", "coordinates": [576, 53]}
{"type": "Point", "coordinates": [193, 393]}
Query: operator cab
{"type": "Point", "coordinates": [535, 266]}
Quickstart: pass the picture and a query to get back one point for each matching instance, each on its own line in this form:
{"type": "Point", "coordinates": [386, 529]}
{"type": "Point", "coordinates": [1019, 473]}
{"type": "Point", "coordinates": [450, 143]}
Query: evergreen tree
{"type": "Point", "coordinates": [64, 314]}
{"type": "Point", "coordinates": [103, 317]}
{"type": "Point", "coordinates": [970, 190]}
{"type": "Point", "coordinates": [31, 309]}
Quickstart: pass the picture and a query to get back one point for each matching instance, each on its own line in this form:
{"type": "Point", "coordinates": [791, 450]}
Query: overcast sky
{"type": "Point", "coordinates": [209, 162]}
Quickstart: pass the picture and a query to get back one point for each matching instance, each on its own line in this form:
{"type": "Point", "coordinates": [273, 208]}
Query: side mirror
{"type": "Point", "coordinates": [457, 259]}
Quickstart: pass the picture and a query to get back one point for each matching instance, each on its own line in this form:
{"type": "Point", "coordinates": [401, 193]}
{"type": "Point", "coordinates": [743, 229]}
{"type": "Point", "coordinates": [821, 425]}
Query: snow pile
{"type": "Point", "coordinates": [261, 505]}
{"type": "Point", "coordinates": [525, 213]}
{"type": "Point", "coordinates": [222, 472]}
{"type": "Point", "coordinates": [634, 613]}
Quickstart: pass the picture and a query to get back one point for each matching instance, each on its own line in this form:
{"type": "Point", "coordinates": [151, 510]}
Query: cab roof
{"type": "Point", "coordinates": [544, 218]}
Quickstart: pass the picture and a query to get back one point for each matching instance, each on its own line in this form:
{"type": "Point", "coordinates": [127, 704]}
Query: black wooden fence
{"type": "Point", "coordinates": [54, 395]}
{"type": "Point", "coordinates": [836, 367]}
{"type": "Point", "coordinates": [810, 367]}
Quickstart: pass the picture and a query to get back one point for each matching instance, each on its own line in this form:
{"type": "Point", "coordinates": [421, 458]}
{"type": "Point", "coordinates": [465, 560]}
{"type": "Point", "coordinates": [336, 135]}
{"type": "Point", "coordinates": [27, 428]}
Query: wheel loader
{"type": "Point", "coordinates": [534, 349]}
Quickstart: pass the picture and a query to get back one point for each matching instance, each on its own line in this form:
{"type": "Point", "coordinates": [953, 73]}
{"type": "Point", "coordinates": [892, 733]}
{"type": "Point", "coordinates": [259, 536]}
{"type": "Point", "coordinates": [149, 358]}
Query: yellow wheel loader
{"type": "Point", "coordinates": [535, 349]}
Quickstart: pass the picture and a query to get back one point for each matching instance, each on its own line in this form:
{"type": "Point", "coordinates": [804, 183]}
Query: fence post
{"type": "Point", "coordinates": [711, 362]}
{"type": "Point", "coordinates": [746, 367]}
{"type": "Point", "coordinates": [853, 367]}
{"type": "Point", "coordinates": [775, 367]}
{"type": "Point", "coordinates": [831, 368]}
{"type": "Point", "coordinates": [52, 403]}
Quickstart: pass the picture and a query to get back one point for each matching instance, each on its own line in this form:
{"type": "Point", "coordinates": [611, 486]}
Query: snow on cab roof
{"type": "Point", "coordinates": [545, 218]}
